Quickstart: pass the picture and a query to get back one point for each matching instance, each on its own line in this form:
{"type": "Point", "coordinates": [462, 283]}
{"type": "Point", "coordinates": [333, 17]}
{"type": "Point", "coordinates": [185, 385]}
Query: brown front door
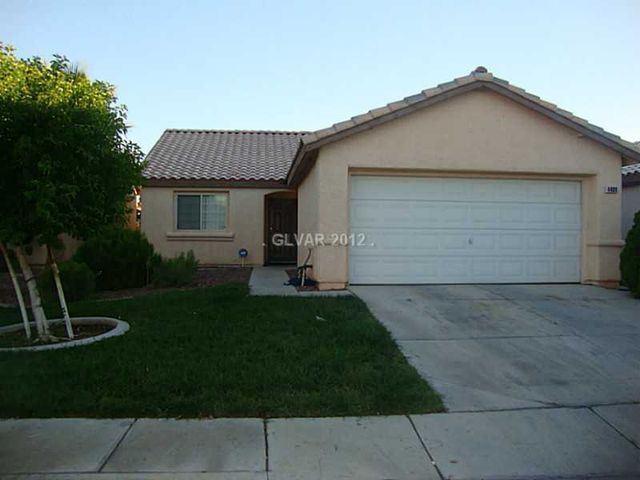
{"type": "Point", "coordinates": [282, 225]}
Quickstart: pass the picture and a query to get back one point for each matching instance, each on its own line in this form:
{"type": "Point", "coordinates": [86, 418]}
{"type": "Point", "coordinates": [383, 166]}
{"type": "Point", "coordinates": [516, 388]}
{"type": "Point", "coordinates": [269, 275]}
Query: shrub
{"type": "Point", "coordinates": [78, 281]}
{"type": "Point", "coordinates": [630, 257]}
{"type": "Point", "coordinates": [119, 257]}
{"type": "Point", "coordinates": [175, 272]}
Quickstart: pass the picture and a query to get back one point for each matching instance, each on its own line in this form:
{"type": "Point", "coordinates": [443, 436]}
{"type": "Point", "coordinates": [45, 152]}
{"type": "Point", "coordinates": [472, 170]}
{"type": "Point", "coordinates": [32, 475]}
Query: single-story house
{"type": "Point", "coordinates": [630, 195]}
{"type": "Point", "coordinates": [473, 181]}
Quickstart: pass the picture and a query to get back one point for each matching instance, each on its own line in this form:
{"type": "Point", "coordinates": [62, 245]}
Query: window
{"type": "Point", "coordinates": [202, 212]}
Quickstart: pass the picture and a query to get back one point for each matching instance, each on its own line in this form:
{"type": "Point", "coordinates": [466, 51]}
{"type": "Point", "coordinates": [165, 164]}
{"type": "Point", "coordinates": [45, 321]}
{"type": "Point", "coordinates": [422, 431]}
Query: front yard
{"type": "Point", "coordinates": [219, 352]}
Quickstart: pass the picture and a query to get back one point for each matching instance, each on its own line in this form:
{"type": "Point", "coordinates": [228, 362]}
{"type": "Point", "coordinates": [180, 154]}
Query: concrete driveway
{"type": "Point", "coordinates": [499, 347]}
{"type": "Point", "coordinates": [540, 381]}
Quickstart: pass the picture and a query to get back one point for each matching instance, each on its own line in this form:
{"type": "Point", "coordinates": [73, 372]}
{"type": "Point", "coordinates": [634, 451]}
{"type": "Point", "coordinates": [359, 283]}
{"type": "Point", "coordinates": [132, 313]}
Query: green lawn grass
{"type": "Point", "coordinates": [219, 352]}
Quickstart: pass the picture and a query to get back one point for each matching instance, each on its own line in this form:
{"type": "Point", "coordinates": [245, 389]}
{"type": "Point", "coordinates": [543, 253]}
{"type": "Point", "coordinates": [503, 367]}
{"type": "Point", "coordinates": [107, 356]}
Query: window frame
{"type": "Point", "coordinates": [200, 194]}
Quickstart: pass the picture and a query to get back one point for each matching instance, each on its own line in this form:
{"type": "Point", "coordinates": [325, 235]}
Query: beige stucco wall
{"type": "Point", "coordinates": [630, 205]}
{"type": "Point", "coordinates": [475, 134]}
{"type": "Point", "coordinates": [245, 226]}
{"type": "Point", "coordinates": [39, 256]}
{"type": "Point", "coordinates": [308, 212]}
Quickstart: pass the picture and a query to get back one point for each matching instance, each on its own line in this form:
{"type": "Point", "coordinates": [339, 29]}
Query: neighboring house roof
{"type": "Point", "coordinates": [246, 157]}
{"type": "Point", "coordinates": [631, 173]}
{"type": "Point", "coordinates": [479, 78]}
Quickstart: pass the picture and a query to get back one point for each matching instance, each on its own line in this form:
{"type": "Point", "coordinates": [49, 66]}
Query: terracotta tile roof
{"type": "Point", "coordinates": [222, 155]}
{"type": "Point", "coordinates": [480, 77]}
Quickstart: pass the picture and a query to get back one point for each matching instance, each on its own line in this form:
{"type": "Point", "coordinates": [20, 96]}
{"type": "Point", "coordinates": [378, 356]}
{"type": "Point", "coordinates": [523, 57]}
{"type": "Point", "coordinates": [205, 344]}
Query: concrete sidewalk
{"type": "Point", "coordinates": [272, 280]}
{"type": "Point", "coordinates": [540, 443]}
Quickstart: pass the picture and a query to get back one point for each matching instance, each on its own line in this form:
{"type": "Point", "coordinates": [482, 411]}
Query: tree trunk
{"type": "Point", "coordinates": [16, 286]}
{"type": "Point", "coordinates": [34, 295]}
{"type": "Point", "coordinates": [63, 301]}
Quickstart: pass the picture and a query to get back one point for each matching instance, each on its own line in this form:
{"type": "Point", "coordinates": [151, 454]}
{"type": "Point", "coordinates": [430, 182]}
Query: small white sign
{"type": "Point", "coordinates": [610, 189]}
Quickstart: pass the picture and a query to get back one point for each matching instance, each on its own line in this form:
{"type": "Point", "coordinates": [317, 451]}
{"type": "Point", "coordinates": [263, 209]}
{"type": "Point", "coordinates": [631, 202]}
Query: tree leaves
{"type": "Point", "coordinates": [67, 165]}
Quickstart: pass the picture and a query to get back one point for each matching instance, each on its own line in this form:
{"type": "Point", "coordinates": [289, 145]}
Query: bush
{"type": "Point", "coordinates": [175, 272]}
{"type": "Point", "coordinates": [78, 281]}
{"type": "Point", "coordinates": [119, 257]}
{"type": "Point", "coordinates": [630, 257]}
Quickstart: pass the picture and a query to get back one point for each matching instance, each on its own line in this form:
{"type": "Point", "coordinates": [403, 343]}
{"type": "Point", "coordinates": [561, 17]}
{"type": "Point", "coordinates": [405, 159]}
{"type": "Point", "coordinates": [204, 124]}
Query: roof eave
{"type": "Point", "coordinates": [294, 176]}
{"type": "Point", "coordinates": [301, 165]}
{"type": "Point", "coordinates": [213, 183]}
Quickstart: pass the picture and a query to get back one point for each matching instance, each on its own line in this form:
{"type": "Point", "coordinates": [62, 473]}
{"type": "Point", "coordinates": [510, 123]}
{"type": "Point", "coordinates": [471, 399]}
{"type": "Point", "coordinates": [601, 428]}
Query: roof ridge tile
{"type": "Point", "coordinates": [248, 132]}
{"type": "Point", "coordinates": [429, 92]}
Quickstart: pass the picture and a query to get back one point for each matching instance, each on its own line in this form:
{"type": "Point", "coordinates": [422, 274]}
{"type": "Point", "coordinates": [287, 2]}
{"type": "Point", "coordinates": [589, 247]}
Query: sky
{"type": "Point", "coordinates": [304, 65]}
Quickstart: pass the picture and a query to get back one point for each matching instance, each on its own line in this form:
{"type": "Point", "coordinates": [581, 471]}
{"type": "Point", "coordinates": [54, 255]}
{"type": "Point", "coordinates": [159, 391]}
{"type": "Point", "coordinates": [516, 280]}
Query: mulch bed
{"type": "Point", "coordinates": [212, 276]}
{"type": "Point", "coordinates": [293, 273]}
{"type": "Point", "coordinates": [19, 339]}
{"type": "Point", "coordinates": [205, 277]}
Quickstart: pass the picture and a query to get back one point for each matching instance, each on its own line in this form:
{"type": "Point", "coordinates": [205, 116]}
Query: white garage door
{"type": "Point", "coordinates": [446, 230]}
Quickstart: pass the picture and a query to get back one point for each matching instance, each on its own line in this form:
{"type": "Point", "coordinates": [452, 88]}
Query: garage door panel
{"type": "Point", "coordinates": [465, 189]}
{"type": "Point", "coordinates": [567, 268]}
{"type": "Point", "coordinates": [543, 268]}
{"type": "Point", "coordinates": [511, 270]}
{"type": "Point", "coordinates": [412, 214]}
{"type": "Point", "coordinates": [397, 242]}
{"type": "Point", "coordinates": [392, 242]}
{"type": "Point", "coordinates": [421, 230]}
{"type": "Point", "coordinates": [511, 216]}
{"type": "Point", "coordinates": [567, 216]}
{"type": "Point", "coordinates": [539, 215]}
{"type": "Point", "coordinates": [405, 270]}
{"type": "Point", "coordinates": [484, 268]}
{"type": "Point", "coordinates": [567, 242]}
{"type": "Point", "coordinates": [482, 242]}
{"type": "Point", "coordinates": [540, 242]}
{"type": "Point", "coordinates": [512, 241]}
{"type": "Point", "coordinates": [568, 192]}
{"type": "Point", "coordinates": [380, 213]}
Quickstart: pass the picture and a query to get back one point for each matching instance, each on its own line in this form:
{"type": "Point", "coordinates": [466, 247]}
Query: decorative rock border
{"type": "Point", "coordinates": [119, 328]}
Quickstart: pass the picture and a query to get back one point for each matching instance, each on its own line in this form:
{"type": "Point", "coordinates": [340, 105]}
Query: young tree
{"type": "Point", "coordinates": [67, 166]}
{"type": "Point", "coordinates": [16, 287]}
